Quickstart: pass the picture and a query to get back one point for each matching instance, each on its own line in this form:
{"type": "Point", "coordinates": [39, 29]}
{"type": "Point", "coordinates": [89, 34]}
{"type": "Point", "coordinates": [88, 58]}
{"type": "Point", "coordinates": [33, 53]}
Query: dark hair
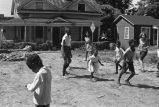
{"type": "Point", "coordinates": [118, 43]}
{"type": "Point", "coordinates": [131, 41]}
{"type": "Point", "coordinates": [130, 44]}
{"type": "Point", "coordinates": [67, 30]}
{"type": "Point", "coordinates": [33, 61]}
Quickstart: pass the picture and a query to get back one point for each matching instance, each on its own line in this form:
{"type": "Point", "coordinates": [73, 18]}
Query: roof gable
{"type": "Point", "coordinates": [46, 5]}
{"type": "Point", "coordinates": [59, 4]}
{"type": "Point", "coordinates": [59, 20]}
{"type": "Point", "coordinates": [136, 20]}
{"type": "Point", "coordinates": [90, 5]}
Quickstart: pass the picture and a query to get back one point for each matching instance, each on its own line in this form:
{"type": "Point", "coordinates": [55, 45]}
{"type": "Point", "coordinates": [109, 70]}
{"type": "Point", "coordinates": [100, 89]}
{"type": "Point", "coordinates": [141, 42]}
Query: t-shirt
{"type": "Point", "coordinates": [119, 53]}
{"type": "Point", "coordinates": [41, 87]}
{"type": "Point", "coordinates": [143, 45]}
{"type": "Point", "coordinates": [67, 40]}
{"type": "Point", "coordinates": [87, 39]}
{"type": "Point", "coordinates": [129, 55]}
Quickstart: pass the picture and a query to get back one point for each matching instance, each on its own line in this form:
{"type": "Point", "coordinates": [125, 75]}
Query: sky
{"type": "Point", "coordinates": [5, 7]}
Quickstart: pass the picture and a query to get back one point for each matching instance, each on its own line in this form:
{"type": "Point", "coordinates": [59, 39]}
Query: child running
{"type": "Point", "coordinates": [119, 56]}
{"type": "Point", "coordinates": [93, 63]}
{"type": "Point", "coordinates": [128, 62]}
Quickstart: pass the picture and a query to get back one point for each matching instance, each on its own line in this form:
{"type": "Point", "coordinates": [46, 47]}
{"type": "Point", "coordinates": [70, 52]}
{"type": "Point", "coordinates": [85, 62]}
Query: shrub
{"type": "Point", "coordinates": [101, 45]}
{"type": "Point", "coordinates": [43, 47]}
{"type": "Point", "coordinates": [22, 45]}
{"type": "Point", "coordinates": [49, 44]}
{"type": "Point", "coordinates": [77, 44]}
{"type": "Point", "coordinates": [8, 44]}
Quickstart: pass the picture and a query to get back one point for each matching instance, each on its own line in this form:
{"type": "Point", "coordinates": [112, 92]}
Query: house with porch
{"type": "Point", "coordinates": [43, 20]}
{"type": "Point", "coordinates": [130, 26]}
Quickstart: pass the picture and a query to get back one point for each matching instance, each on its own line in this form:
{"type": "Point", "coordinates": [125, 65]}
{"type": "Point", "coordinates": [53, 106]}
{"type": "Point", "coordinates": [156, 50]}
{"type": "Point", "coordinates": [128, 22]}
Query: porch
{"type": "Point", "coordinates": [42, 30]}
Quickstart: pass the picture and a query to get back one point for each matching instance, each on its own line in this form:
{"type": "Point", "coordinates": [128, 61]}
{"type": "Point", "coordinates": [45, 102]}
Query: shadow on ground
{"type": "Point", "coordinates": [145, 86]}
{"type": "Point", "coordinates": [89, 77]}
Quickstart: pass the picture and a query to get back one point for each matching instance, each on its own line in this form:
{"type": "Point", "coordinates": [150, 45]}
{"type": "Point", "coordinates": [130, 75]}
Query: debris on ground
{"type": "Point", "coordinates": [16, 55]}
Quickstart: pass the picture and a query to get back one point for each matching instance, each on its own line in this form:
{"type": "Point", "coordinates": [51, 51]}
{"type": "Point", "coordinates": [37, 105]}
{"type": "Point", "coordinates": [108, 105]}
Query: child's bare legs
{"type": "Point", "coordinates": [124, 69]}
{"type": "Point", "coordinates": [67, 61]}
{"type": "Point", "coordinates": [141, 64]}
{"type": "Point", "coordinates": [86, 55]}
{"type": "Point", "coordinates": [117, 64]}
{"type": "Point", "coordinates": [92, 76]}
{"type": "Point", "coordinates": [131, 68]}
{"type": "Point", "coordinates": [142, 56]}
{"type": "Point", "coordinates": [158, 69]}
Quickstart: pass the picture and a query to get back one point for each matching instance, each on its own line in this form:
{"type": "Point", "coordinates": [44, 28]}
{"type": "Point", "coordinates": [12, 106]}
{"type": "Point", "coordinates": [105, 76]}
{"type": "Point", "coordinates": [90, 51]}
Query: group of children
{"type": "Point", "coordinates": [127, 57]}
{"type": "Point", "coordinates": [41, 85]}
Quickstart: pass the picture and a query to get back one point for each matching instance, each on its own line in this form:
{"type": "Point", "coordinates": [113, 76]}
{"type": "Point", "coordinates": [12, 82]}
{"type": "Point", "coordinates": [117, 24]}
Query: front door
{"type": "Point", "coordinates": [56, 36]}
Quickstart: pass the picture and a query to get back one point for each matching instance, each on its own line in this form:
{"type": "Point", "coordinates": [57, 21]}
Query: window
{"type": "Point", "coordinates": [81, 7]}
{"type": "Point", "coordinates": [126, 33]}
{"type": "Point", "coordinates": [39, 5]}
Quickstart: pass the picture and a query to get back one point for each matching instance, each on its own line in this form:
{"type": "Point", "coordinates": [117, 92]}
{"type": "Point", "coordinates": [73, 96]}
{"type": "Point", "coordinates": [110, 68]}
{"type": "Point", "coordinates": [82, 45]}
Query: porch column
{"type": "Point", "coordinates": [25, 33]}
{"type": "Point", "coordinates": [17, 32]}
{"type": "Point", "coordinates": [34, 33]}
{"type": "Point", "coordinates": [43, 34]}
{"type": "Point", "coordinates": [81, 32]}
{"type": "Point", "coordinates": [30, 34]}
{"type": "Point", "coordinates": [98, 32]}
{"type": "Point", "coordinates": [157, 37]}
{"type": "Point", "coordinates": [1, 35]}
{"type": "Point", "coordinates": [51, 35]}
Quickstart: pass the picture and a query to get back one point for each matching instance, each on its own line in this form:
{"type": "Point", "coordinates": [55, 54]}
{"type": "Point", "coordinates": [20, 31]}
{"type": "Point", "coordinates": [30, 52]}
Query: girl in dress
{"type": "Point", "coordinates": [93, 63]}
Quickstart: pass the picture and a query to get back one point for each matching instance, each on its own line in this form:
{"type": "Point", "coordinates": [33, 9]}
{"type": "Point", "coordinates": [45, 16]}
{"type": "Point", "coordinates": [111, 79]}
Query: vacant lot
{"type": "Point", "coordinates": [78, 90]}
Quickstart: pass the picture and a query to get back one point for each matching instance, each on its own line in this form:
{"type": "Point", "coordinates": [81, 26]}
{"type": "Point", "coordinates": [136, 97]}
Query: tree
{"type": "Point", "coordinates": [149, 8]}
{"type": "Point", "coordinates": [152, 10]}
{"type": "Point", "coordinates": [120, 4]}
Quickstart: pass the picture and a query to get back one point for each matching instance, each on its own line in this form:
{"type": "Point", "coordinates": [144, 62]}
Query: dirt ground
{"type": "Point", "coordinates": [78, 90]}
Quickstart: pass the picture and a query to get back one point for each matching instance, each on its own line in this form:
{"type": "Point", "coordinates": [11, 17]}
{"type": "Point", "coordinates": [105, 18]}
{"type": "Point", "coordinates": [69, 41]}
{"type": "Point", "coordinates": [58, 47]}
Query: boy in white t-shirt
{"type": "Point", "coordinates": [41, 85]}
{"type": "Point", "coordinates": [119, 56]}
{"type": "Point", "coordinates": [128, 62]}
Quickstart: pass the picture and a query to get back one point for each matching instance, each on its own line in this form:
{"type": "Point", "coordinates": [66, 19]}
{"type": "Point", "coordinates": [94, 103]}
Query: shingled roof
{"type": "Point", "coordinates": [136, 20]}
{"type": "Point", "coordinates": [60, 4]}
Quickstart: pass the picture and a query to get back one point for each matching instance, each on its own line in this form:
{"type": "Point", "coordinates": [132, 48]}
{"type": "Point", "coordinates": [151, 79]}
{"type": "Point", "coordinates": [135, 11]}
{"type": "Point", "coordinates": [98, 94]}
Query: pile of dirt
{"type": "Point", "coordinates": [13, 56]}
{"type": "Point", "coordinates": [16, 55]}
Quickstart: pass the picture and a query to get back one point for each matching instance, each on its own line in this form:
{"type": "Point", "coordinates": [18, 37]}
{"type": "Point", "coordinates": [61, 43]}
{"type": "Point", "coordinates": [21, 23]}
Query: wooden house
{"type": "Point", "coordinates": [42, 20]}
{"type": "Point", "coordinates": [130, 26]}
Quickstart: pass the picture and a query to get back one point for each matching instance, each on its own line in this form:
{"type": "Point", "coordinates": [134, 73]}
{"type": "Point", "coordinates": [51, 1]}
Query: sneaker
{"type": "Point", "coordinates": [127, 82]}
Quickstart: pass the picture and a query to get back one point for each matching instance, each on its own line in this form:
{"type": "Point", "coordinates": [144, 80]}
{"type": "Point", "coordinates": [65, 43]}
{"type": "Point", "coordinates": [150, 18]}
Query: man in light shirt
{"type": "Point", "coordinates": [66, 50]}
{"type": "Point", "coordinates": [41, 85]}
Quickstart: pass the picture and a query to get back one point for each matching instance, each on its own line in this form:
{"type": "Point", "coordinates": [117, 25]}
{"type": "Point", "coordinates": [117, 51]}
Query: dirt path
{"type": "Point", "coordinates": [78, 90]}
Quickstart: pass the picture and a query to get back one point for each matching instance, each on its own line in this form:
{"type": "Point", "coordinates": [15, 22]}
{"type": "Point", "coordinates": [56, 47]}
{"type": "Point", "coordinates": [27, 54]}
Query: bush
{"type": "Point", "coordinates": [22, 45]}
{"type": "Point", "coordinates": [49, 44]}
{"type": "Point", "coordinates": [77, 44]}
{"type": "Point", "coordinates": [102, 45]}
{"type": "Point", "coordinates": [7, 44]}
{"type": "Point", "coordinates": [99, 45]}
{"type": "Point", "coordinates": [43, 47]}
